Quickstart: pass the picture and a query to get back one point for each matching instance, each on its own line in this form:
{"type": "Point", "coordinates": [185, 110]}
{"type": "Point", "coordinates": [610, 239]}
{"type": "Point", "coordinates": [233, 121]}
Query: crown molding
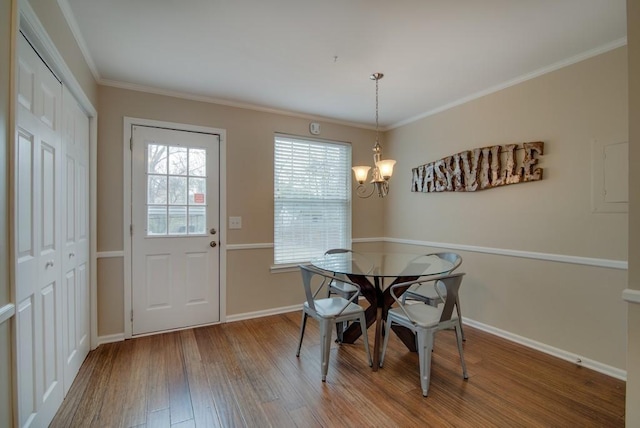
{"type": "Point", "coordinates": [77, 34]}
{"type": "Point", "coordinates": [548, 69]}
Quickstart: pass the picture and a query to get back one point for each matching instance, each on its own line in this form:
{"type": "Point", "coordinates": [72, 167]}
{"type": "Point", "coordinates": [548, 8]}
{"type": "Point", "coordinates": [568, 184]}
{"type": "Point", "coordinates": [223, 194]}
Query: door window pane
{"type": "Point", "coordinates": [197, 191]}
{"type": "Point", "coordinates": [177, 220]}
{"type": "Point", "coordinates": [197, 221]}
{"type": "Point", "coordinates": [157, 159]}
{"type": "Point", "coordinates": [176, 190]}
{"type": "Point", "coordinates": [177, 160]}
{"type": "Point", "coordinates": [157, 189]}
{"type": "Point", "coordinates": [198, 162]}
{"type": "Point", "coordinates": [156, 220]}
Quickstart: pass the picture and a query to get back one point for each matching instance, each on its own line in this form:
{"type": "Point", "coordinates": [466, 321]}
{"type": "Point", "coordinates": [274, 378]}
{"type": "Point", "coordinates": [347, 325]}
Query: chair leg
{"type": "Point", "coordinates": [387, 333]}
{"type": "Point", "coordinates": [425, 345]}
{"type": "Point", "coordinates": [459, 339]}
{"type": "Point", "coordinates": [460, 318]}
{"type": "Point", "coordinates": [303, 324]}
{"type": "Point", "coordinates": [365, 338]}
{"type": "Point", "coordinates": [325, 346]}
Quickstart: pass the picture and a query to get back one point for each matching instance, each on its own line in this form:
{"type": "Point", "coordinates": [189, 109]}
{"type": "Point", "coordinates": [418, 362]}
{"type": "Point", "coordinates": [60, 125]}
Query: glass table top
{"type": "Point", "coordinates": [382, 264]}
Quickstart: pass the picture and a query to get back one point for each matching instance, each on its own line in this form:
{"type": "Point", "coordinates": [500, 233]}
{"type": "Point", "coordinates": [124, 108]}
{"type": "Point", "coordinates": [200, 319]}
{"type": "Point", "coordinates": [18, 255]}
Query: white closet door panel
{"type": "Point", "coordinates": [69, 296]}
{"type": "Point", "coordinates": [37, 229]}
{"type": "Point", "coordinates": [25, 338]}
{"type": "Point", "coordinates": [26, 85]}
{"type": "Point", "coordinates": [82, 311]}
{"type": "Point", "coordinates": [75, 254]}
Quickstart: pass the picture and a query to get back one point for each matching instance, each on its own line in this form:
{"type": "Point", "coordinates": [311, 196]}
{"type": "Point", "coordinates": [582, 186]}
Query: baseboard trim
{"type": "Point", "coordinates": [550, 350]}
{"type": "Point", "coordinates": [110, 338]}
{"type": "Point", "coordinates": [7, 312]}
{"type": "Point", "coordinates": [264, 313]}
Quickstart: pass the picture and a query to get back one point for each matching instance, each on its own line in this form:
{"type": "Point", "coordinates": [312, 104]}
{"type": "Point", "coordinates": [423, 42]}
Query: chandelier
{"type": "Point", "coordinates": [382, 169]}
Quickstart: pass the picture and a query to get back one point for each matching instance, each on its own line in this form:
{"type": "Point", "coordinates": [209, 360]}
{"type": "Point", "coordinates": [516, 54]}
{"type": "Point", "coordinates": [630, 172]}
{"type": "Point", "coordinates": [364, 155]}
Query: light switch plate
{"type": "Point", "coordinates": [235, 222]}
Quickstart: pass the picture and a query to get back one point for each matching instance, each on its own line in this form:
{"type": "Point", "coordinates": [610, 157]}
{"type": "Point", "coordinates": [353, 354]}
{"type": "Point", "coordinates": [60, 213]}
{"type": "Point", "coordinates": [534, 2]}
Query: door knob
{"type": "Point", "coordinates": [212, 231]}
{"type": "Point", "coordinates": [213, 244]}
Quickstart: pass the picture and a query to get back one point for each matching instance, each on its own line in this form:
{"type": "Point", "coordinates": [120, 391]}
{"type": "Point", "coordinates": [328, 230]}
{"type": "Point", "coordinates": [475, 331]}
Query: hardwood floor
{"type": "Point", "coordinates": [246, 374]}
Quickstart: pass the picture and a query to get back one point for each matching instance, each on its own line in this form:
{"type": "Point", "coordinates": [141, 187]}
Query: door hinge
{"type": "Point", "coordinates": [131, 315]}
{"type": "Point", "coordinates": [131, 230]}
{"type": "Point", "coordinates": [131, 144]}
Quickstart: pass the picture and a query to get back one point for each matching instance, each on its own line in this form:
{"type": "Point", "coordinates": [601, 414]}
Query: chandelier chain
{"type": "Point", "coordinates": [377, 109]}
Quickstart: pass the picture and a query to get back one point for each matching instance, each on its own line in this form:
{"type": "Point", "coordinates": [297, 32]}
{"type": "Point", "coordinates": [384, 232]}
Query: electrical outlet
{"type": "Point", "coordinates": [235, 222]}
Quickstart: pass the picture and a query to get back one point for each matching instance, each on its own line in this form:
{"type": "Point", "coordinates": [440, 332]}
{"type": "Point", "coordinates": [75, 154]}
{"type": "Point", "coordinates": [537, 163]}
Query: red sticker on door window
{"type": "Point", "coordinates": [198, 198]}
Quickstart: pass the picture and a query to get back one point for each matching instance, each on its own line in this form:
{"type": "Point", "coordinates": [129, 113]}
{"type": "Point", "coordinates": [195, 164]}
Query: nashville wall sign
{"type": "Point", "coordinates": [479, 169]}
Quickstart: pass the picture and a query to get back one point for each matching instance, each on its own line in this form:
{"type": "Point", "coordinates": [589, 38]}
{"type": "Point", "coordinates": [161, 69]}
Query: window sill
{"type": "Point", "coordinates": [286, 268]}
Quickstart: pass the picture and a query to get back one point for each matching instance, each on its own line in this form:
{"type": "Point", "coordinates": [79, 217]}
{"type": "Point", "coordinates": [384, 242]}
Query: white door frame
{"type": "Point", "coordinates": [126, 141]}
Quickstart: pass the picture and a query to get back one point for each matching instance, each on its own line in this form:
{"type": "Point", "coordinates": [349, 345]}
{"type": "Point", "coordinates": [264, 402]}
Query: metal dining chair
{"type": "Point", "coordinates": [328, 311]}
{"type": "Point", "coordinates": [339, 287]}
{"type": "Point", "coordinates": [434, 294]}
{"type": "Point", "coordinates": [425, 320]}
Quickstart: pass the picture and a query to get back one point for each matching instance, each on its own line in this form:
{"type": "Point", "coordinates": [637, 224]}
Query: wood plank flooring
{"type": "Point", "coordinates": [246, 374]}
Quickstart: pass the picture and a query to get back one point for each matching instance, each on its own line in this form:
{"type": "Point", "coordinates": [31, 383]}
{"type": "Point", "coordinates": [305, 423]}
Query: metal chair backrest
{"type": "Point", "coordinates": [453, 258]}
{"type": "Point", "coordinates": [450, 282]}
{"type": "Point", "coordinates": [323, 279]}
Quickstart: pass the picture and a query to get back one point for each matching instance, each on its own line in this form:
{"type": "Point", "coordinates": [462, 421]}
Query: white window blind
{"type": "Point", "coordinates": [312, 198]}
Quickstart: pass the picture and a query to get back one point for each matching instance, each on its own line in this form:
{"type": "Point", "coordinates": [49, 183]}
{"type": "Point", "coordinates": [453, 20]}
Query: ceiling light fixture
{"type": "Point", "coordinates": [382, 169]}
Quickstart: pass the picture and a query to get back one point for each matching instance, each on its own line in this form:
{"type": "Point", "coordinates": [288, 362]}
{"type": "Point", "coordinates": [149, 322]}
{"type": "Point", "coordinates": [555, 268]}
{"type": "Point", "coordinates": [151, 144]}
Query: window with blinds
{"type": "Point", "coordinates": [312, 198]}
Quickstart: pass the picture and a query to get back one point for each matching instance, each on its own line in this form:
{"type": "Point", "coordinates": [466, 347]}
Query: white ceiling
{"type": "Point", "coordinates": [281, 54]}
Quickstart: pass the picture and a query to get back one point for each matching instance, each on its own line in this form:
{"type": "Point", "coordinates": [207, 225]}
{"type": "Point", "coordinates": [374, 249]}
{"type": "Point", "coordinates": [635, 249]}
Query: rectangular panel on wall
{"type": "Point", "coordinates": [609, 177]}
{"type": "Point", "coordinates": [24, 196]}
{"type": "Point", "coordinates": [616, 173]}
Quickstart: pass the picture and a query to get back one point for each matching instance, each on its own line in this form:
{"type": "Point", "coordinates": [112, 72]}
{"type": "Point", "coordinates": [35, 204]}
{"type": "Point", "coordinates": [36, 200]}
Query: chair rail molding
{"type": "Point", "coordinates": [562, 258]}
{"type": "Point", "coordinates": [109, 254]}
{"type": "Point", "coordinates": [630, 295]}
{"type": "Point", "coordinates": [7, 312]}
{"type": "Point", "coordinates": [551, 257]}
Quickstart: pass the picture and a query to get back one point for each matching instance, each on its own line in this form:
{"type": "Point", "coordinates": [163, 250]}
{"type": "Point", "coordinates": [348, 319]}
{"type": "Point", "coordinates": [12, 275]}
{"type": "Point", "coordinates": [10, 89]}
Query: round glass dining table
{"type": "Point", "coordinates": [383, 264]}
{"type": "Point", "coordinates": [375, 272]}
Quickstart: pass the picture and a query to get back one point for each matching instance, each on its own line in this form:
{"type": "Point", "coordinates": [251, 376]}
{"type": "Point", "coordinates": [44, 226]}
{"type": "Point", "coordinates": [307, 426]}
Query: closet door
{"type": "Point", "coordinates": [75, 237]}
{"type": "Point", "coordinates": [37, 240]}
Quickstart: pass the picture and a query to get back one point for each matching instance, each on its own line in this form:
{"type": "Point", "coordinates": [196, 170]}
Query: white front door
{"type": "Point", "coordinates": [175, 226]}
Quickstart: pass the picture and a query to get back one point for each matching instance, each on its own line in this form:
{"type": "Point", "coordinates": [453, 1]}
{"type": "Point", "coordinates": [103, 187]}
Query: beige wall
{"type": "Point", "coordinates": [7, 10]}
{"type": "Point", "coordinates": [633, 351]}
{"type": "Point", "coordinates": [249, 164]}
{"type": "Point", "coordinates": [572, 307]}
